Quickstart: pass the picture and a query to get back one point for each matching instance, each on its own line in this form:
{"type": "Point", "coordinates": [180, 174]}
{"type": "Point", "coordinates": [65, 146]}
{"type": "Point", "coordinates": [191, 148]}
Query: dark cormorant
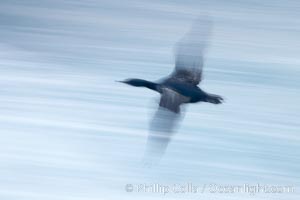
{"type": "Point", "coordinates": [181, 87]}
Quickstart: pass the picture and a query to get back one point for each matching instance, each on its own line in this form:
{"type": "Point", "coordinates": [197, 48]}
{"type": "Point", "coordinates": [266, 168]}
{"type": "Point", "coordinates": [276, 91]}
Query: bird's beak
{"type": "Point", "coordinates": [124, 81]}
{"type": "Point", "coordinates": [121, 81]}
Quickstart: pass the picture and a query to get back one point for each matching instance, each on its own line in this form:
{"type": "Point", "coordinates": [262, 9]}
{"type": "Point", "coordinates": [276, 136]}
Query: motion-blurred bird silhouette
{"type": "Point", "coordinates": [179, 88]}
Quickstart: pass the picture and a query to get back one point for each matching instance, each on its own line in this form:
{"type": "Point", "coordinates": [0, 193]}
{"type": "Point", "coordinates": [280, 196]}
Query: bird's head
{"type": "Point", "coordinates": [134, 82]}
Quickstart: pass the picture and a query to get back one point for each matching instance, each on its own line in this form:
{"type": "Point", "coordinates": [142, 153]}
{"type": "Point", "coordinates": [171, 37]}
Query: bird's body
{"type": "Point", "coordinates": [187, 92]}
{"type": "Point", "coordinates": [181, 87]}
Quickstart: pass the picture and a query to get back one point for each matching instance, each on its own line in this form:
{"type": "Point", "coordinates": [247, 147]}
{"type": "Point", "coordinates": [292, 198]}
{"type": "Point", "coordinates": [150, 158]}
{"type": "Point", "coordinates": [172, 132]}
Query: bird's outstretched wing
{"type": "Point", "coordinates": [189, 52]}
{"type": "Point", "coordinates": [163, 124]}
{"type": "Point", "coordinates": [160, 134]}
{"type": "Point", "coordinates": [188, 69]}
{"type": "Point", "coordinates": [172, 100]}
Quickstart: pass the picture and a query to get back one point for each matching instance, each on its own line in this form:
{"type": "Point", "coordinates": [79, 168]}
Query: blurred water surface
{"type": "Point", "coordinates": [69, 131]}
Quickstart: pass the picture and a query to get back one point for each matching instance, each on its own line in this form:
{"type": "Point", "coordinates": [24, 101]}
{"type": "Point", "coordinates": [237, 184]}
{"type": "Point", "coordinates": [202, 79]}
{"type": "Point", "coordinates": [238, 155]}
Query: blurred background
{"type": "Point", "coordinates": [69, 131]}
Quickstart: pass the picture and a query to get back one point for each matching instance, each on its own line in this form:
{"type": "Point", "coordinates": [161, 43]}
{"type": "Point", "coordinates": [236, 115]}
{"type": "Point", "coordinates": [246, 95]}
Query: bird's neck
{"type": "Point", "coordinates": [150, 85]}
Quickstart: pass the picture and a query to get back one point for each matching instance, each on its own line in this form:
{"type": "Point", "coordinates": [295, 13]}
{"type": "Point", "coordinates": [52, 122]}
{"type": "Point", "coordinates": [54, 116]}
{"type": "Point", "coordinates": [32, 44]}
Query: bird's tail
{"type": "Point", "coordinates": [141, 83]}
{"type": "Point", "coordinates": [213, 98]}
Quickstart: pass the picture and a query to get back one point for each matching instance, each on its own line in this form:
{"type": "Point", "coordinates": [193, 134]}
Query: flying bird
{"type": "Point", "coordinates": [179, 88]}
